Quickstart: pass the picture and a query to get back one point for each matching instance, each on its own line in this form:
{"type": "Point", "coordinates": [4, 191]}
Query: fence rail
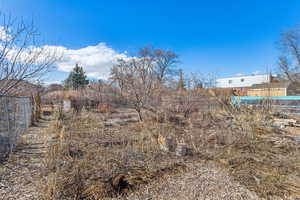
{"type": "Point", "coordinates": [285, 104]}
{"type": "Point", "coordinates": [15, 117]}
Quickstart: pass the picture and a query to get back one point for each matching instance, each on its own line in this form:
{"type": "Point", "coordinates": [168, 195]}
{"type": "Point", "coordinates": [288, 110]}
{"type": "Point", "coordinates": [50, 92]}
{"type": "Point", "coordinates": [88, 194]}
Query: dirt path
{"type": "Point", "coordinates": [19, 175]}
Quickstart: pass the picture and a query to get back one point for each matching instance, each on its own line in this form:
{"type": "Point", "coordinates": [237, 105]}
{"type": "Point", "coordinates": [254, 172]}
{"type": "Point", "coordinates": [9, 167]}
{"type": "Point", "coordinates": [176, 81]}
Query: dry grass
{"type": "Point", "coordinates": [242, 141]}
{"type": "Point", "coordinates": [89, 160]}
{"type": "Point", "coordinates": [257, 155]}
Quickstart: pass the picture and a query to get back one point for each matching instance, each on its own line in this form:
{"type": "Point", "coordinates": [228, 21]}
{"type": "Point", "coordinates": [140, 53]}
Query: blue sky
{"type": "Point", "coordinates": [225, 37]}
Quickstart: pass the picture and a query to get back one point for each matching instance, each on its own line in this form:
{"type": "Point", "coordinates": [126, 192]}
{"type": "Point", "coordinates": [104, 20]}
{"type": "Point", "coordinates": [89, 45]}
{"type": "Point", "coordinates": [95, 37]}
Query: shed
{"type": "Point", "coordinates": [275, 88]}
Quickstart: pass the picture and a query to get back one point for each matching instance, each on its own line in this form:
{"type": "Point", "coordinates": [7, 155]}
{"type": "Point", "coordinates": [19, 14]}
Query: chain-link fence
{"type": "Point", "coordinates": [15, 117]}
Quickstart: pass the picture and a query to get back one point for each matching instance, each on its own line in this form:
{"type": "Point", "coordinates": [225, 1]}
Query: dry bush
{"type": "Point", "coordinates": [257, 155]}
{"type": "Point", "coordinates": [89, 161]}
{"type": "Point", "coordinates": [52, 97]}
{"type": "Point", "coordinates": [241, 140]}
{"type": "Point", "coordinates": [77, 104]}
{"type": "Point", "coordinates": [59, 96]}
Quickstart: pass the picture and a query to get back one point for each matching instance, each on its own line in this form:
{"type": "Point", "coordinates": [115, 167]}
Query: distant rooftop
{"type": "Point", "coordinates": [243, 81]}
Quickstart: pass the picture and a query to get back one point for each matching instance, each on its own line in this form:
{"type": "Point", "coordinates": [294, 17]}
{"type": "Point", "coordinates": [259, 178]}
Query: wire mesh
{"type": "Point", "coordinates": [15, 118]}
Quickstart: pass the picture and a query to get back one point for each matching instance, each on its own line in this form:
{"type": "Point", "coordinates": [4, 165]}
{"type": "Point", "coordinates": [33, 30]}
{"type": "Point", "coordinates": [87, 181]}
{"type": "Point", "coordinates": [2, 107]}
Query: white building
{"type": "Point", "coordinates": [242, 81]}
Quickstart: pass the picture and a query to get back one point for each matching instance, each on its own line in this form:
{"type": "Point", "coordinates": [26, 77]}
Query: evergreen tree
{"type": "Point", "coordinates": [76, 79]}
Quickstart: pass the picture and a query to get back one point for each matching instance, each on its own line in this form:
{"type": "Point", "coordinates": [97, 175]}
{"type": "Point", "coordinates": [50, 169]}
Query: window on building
{"type": "Point", "coordinates": [230, 81]}
{"type": "Point", "coordinates": [242, 80]}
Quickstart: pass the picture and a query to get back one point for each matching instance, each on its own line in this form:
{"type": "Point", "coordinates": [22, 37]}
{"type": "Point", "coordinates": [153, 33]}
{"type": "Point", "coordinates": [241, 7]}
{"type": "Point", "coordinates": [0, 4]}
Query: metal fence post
{"type": "Point", "coordinates": [24, 115]}
{"type": "Point", "coordinates": [8, 123]}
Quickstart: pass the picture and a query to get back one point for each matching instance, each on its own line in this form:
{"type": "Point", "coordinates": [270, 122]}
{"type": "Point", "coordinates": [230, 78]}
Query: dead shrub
{"type": "Point", "coordinates": [243, 141]}
{"type": "Point", "coordinates": [88, 161]}
{"type": "Point", "coordinates": [91, 161]}
{"type": "Point", "coordinates": [77, 105]}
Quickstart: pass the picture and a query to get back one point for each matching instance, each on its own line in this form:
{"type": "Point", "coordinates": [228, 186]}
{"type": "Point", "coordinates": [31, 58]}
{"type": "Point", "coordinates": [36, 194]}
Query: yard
{"type": "Point", "coordinates": [112, 155]}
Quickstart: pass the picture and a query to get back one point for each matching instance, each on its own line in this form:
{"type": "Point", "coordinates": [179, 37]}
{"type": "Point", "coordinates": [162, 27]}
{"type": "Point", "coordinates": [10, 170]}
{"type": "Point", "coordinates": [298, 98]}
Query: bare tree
{"type": "Point", "coordinates": [202, 80]}
{"type": "Point", "coordinates": [140, 78]}
{"type": "Point", "coordinates": [289, 60]}
{"type": "Point", "coordinates": [196, 81]}
{"type": "Point", "coordinates": [138, 81]}
{"type": "Point", "coordinates": [285, 67]}
{"type": "Point", "coordinates": [117, 75]}
{"type": "Point", "coordinates": [20, 57]}
{"type": "Point", "coordinates": [101, 91]}
{"type": "Point", "coordinates": [165, 64]}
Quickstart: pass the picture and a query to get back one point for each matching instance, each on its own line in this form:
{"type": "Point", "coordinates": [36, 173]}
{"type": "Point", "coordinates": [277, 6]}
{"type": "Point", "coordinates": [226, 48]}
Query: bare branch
{"type": "Point", "coordinates": [289, 61]}
{"type": "Point", "coordinates": [140, 78]}
{"type": "Point", "coordinates": [20, 58]}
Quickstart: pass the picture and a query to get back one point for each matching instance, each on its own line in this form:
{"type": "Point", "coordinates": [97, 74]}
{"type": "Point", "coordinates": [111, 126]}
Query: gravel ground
{"type": "Point", "coordinates": [201, 181]}
{"type": "Point", "coordinates": [19, 174]}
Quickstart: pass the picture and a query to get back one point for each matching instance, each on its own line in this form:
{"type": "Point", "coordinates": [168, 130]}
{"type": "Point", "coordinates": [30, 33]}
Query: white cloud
{"type": "Point", "coordinates": [95, 60]}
